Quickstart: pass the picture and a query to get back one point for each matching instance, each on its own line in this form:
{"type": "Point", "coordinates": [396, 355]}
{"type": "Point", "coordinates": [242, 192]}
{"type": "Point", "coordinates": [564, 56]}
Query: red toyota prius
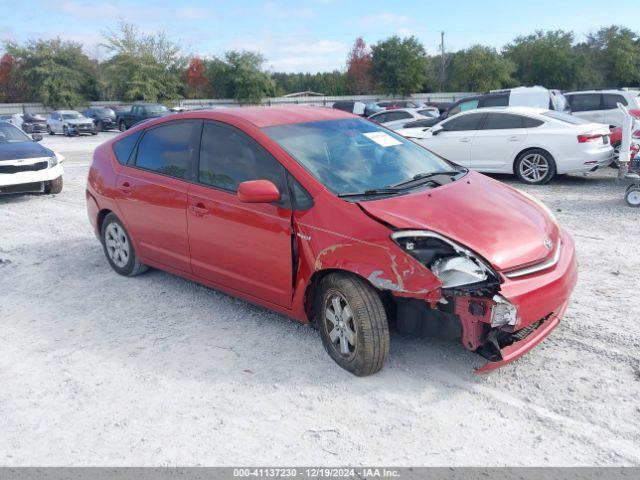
{"type": "Point", "coordinates": [331, 219]}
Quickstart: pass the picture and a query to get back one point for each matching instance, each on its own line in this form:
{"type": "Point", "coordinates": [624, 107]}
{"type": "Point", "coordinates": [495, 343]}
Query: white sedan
{"type": "Point", "coordinates": [532, 143]}
{"type": "Point", "coordinates": [397, 118]}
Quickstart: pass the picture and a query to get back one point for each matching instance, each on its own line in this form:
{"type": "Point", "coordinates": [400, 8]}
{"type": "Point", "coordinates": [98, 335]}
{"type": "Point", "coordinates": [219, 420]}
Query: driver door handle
{"type": "Point", "coordinates": [465, 139]}
{"type": "Point", "coordinates": [199, 209]}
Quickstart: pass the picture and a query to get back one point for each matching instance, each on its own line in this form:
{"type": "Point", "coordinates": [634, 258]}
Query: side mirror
{"type": "Point", "coordinates": [36, 137]}
{"type": "Point", "coordinates": [436, 129]}
{"type": "Point", "coordinates": [258, 191]}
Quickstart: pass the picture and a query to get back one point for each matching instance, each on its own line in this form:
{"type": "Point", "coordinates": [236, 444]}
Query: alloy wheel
{"type": "Point", "coordinates": [534, 167]}
{"type": "Point", "coordinates": [340, 324]}
{"type": "Point", "coordinates": [117, 245]}
{"type": "Point", "coordinates": [633, 197]}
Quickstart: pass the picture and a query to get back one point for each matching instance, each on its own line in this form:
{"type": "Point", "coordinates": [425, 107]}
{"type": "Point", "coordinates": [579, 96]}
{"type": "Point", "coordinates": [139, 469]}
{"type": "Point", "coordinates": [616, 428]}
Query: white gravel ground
{"type": "Point", "coordinates": [97, 369]}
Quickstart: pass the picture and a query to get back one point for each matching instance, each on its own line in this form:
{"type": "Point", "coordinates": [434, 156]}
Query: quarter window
{"type": "Point", "coordinates": [502, 121]}
{"type": "Point", "coordinates": [123, 148]}
{"type": "Point", "coordinates": [586, 102]}
{"type": "Point", "coordinates": [167, 149]}
{"type": "Point", "coordinates": [610, 101]}
{"type": "Point", "coordinates": [229, 157]}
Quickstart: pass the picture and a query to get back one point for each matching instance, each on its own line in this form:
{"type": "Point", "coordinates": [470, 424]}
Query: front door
{"type": "Point", "coordinates": [152, 192]}
{"type": "Point", "coordinates": [453, 142]}
{"type": "Point", "coordinates": [497, 143]}
{"type": "Point", "coordinates": [241, 246]}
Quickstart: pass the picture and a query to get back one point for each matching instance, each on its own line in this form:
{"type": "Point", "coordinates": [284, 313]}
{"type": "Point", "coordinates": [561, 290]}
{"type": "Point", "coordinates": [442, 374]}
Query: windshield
{"type": "Point", "coordinates": [565, 117]}
{"type": "Point", "coordinates": [104, 111]}
{"type": "Point", "coordinates": [11, 134]}
{"type": "Point", "coordinates": [355, 155]}
{"type": "Point", "coordinates": [156, 108]}
{"type": "Point", "coordinates": [71, 115]}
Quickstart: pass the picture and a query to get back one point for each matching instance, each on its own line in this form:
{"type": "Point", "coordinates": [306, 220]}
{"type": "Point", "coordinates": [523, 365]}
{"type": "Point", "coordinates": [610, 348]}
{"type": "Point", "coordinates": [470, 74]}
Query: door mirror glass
{"type": "Point", "coordinates": [258, 191]}
{"type": "Point", "coordinates": [36, 137]}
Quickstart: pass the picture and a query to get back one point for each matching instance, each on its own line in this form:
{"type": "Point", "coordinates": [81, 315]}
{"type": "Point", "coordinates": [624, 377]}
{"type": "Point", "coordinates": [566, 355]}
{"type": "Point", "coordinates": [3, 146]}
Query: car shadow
{"type": "Point", "coordinates": [161, 324]}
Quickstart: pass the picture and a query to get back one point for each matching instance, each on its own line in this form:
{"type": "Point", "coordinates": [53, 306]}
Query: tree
{"type": "Point", "coordinates": [55, 72]}
{"type": "Point", "coordinates": [399, 65]}
{"type": "Point", "coordinates": [479, 69]}
{"type": "Point", "coordinates": [547, 59]}
{"type": "Point", "coordinates": [10, 90]}
{"type": "Point", "coordinates": [613, 56]}
{"type": "Point", "coordinates": [195, 79]}
{"type": "Point", "coordinates": [143, 67]}
{"type": "Point", "coordinates": [250, 83]}
{"type": "Point", "coordinates": [359, 68]}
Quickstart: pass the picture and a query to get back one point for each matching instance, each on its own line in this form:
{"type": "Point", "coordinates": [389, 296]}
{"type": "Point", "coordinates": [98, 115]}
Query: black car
{"type": "Point", "coordinates": [357, 108]}
{"type": "Point", "coordinates": [32, 123]}
{"type": "Point", "coordinates": [140, 112]}
{"type": "Point", "coordinates": [103, 118]}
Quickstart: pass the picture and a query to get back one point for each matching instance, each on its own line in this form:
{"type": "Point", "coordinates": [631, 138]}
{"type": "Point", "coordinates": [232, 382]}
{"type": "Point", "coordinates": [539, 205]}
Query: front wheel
{"type": "Point", "coordinates": [65, 131]}
{"type": "Point", "coordinates": [353, 323]}
{"type": "Point", "coordinates": [118, 248]}
{"type": "Point", "coordinates": [535, 167]}
{"type": "Point", "coordinates": [49, 131]}
{"type": "Point", "coordinates": [632, 196]}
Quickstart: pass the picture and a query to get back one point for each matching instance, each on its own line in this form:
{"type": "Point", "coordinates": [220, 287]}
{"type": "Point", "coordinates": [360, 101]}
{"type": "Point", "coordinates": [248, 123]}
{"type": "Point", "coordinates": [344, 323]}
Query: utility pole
{"type": "Point", "coordinates": [442, 60]}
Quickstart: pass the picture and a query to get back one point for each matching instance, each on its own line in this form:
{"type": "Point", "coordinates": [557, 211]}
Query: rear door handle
{"type": "Point", "coordinates": [125, 188]}
{"type": "Point", "coordinates": [465, 140]}
{"type": "Point", "coordinates": [514, 138]}
{"type": "Point", "coordinates": [199, 209]}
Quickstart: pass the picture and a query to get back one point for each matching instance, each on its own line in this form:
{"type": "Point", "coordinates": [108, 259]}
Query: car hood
{"type": "Point", "coordinates": [18, 151]}
{"type": "Point", "coordinates": [496, 221]}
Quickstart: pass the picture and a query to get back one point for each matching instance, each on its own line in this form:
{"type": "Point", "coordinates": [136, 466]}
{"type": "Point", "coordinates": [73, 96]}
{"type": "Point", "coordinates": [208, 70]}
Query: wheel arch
{"type": "Point", "coordinates": [530, 149]}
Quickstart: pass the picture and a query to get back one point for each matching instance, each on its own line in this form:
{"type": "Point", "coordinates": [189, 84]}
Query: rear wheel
{"type": "Point", "coordinates": [54, 186]}
{"type": "Point", "coordinates": [535, 167]}
{"type": "Point", "coordinates": [616, 156]}
{"type": "Point", "coordinates": [118, 248]}
{"type": "Point", "coordinates": [633, 196]}
{"type": "Point", "coordinates": [353, 323]}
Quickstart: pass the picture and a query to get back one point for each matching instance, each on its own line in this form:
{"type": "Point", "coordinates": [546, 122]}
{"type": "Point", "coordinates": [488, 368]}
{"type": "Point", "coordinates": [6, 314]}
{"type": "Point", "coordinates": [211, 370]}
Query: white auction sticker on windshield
{"type": "Point", "coordinates": [383, 139]}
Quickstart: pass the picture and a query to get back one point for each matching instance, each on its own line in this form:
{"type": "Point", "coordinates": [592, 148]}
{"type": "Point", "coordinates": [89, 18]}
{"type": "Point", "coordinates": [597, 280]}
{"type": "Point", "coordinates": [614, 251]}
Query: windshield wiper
{"type": "Point", "coordinates": [424, 176]}
{"type": "Point", "coordinates": [373, 191]}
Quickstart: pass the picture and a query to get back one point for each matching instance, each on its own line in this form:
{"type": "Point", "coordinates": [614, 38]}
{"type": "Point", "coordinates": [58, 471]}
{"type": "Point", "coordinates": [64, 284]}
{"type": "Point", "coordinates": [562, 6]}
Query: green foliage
{"type": "Point", "coordinates": [55, 72]}
{"type": "Point", "coordinates": [547, 59]}
{"type": "Point", "coordinates": [479, 69]}
{"type": "Point", "coordinates": [399, 65]}
{"type": "Point", "coordinates": [250, 84]}
{"type": "Point", "coordinates": [328, 83]}
{"type": "Point", "coordinates": [143, 67]}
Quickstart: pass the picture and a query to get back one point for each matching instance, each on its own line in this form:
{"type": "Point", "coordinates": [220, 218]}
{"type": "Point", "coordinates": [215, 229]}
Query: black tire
{"type": "Point", "coordinates": [65, 131]}
{"type": "Point", "coordinates": [541, 156]}
{"type": "Point", "coordinates": [122, 126]}
{"type": "Point", "coordinates": [133, 266]}
{"type": "Point", "coordinates": [99, 126]}
{"type": "Point", "coordinates": [49, 131]}
{"type": "Point", "coordinates": [616, 156]}
{"type": "Point", "coordinates": [367, 324]}
{"type": "Point", "coordinates": [54, 186]}
{"type": "Point", "coordinates": [632, 196]}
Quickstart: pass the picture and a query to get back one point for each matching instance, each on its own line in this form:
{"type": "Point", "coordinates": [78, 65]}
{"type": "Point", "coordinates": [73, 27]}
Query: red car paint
{"type": "Point", "coordinates": [213, 237]}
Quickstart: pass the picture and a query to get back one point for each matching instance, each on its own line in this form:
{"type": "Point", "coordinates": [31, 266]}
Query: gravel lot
{"type": "Point", "coordinates": [97, 369]}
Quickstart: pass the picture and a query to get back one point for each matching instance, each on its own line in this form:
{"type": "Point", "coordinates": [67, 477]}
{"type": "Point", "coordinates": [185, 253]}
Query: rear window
{"type": "Point", "coordinates": [123, 148]}
{"type": "Point", "coordinates": [564, 117]}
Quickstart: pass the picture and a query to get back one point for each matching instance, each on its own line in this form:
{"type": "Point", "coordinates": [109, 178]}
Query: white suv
{"type": "Point", "coordinates": [602, 105]}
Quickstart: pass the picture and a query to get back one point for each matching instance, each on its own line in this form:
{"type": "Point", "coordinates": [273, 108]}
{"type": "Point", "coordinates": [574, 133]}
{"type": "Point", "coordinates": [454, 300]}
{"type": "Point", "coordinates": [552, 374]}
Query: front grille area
{"type": "Point", "coordinates": [32, 167]}
{"type": "Point", "coordinates": [526, 331]}
{"type": "Point", "coordinates": [36, 187]}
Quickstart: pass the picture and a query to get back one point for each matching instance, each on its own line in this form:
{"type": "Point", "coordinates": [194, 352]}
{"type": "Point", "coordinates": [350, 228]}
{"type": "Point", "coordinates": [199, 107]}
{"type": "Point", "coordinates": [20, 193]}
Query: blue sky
{"type": "Point", "coordinates": [313, 35]}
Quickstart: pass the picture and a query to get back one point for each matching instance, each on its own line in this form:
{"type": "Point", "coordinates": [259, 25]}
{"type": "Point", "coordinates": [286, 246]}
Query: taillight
{"type": "Point", "coordinates": [589, 138]}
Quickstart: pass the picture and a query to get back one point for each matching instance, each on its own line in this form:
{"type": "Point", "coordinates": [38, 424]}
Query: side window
{"type": "Point", "coordinates": [586, 102]}
{"type": "Point", "coordinates": [528, 122]}
{"type": "Point", "coordinates": [463, 123]}
{"type": "Point", "coordinates": [229, 157]}
{"type": "Point", "coordinates": [123, 148]}
{"type": "Point", "coordinates": [380, 118]}
{"type": "Point", "coordinates": [502, 121]}
{"type": "Point", "coordinates": [611, 100]}
{"type": "Point", "coordinates": [470, 105]}
{"type": "Point", "coordinates": [403, 115]}
{"type": "Point", "coordinates": [167, 149]}
{"type": "Point", "coordinates": [494, 101]}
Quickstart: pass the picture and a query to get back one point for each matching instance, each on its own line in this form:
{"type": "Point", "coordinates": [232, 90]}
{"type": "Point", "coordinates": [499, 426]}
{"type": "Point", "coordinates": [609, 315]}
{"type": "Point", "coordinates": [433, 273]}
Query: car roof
{"type": "Point", "coordinates": [277, 115]}
{"type": "Point", "coordinates": [606, 90]}
{"type": "Point", "coordinates": [516, 110]}
{"type": "Point", "coordinates": [409, 110]}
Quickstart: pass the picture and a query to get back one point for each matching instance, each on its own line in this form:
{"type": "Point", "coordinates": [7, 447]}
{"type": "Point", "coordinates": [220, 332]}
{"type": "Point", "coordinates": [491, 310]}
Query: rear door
{"type": "Point", "coordinates": [587, 106]}
{"type": "Point", "coordinates": [152, 192]}
{"type": "Point", "coordinates": [495, 145]}
{"type": "Point", "coordinates": [242, 246]}
{"type": "Point", "coordinates": [453, 142]}
{"type": "Point", "coordinates": [612, 114]}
